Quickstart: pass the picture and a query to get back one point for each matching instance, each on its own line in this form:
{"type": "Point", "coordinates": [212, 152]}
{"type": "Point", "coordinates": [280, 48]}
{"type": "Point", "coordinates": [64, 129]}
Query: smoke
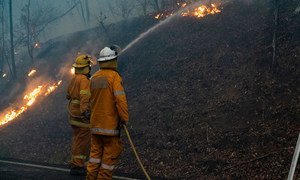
{"type": "Point", "coordinates": [12, 93]}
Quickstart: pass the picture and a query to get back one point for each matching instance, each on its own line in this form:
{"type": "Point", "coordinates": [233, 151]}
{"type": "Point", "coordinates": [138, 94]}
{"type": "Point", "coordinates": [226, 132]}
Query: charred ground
{"type": "Point", "coordinates": [205, 100]}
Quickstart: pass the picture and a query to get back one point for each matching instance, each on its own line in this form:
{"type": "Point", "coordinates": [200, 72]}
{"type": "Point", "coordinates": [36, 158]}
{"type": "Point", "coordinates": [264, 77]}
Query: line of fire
{"type": "Point", "coordinates": [149, 89]}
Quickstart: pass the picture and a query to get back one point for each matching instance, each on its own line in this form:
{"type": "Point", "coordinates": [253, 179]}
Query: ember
{"type": "Point", "coordinates": [158, 16]}
{"type": "Point", "coordinates": [32, 72]}
{"type": "Point", "coordinates": [37, 45]}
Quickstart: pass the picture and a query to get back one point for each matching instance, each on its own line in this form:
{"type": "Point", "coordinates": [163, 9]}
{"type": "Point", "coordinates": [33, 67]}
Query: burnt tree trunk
{"type": "Point", "coordinates": [12, 53]}
{"type": "Point", "coordinates": [29, 34]}
{"type": "Point", "coordinates": [87, 10]}
{"type": "Point", "coordinates": [2, 38]}
{"type": "Point", "coordinates": [274, 62]}
{"type": "Point", "coordinates": [3, 53]}
{"type": "Point", "coordinates": [156, 5]}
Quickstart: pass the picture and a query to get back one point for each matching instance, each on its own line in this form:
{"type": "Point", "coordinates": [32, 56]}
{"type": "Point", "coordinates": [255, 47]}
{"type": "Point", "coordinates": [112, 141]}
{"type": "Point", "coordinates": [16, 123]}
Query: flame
{"type": "Point", "coordinates": [28, 100]}
{"type": "Point", "coordinates": [159, 16]}
{"type": "Point", "coordinates": [12, 115]}
{"type": "Point", "coordinates": [59, 82]}
{"type": "Point", "coordinates": [52, 87]}
{"type": "Point", "coordinates": [199, 12]}
{"type": "Point", "coordinates": [32, 96]}
{"type": "Point", "coordinates": [202, 11]}
{"type": "Point", "coordinates": [72, 71]}
{"type": "Point", "coordinates": [32, 72]}
{"type": "Point", "coordinates": [37, 45]}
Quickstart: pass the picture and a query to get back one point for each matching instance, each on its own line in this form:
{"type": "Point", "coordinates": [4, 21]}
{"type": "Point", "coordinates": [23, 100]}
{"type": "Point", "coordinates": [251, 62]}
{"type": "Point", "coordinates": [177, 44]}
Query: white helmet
{"type": "Point", "coordinates": [107, 54]}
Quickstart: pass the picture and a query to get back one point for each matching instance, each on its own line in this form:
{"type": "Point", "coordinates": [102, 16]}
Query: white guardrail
{"type": "Point", "coordinates": [295, 159]}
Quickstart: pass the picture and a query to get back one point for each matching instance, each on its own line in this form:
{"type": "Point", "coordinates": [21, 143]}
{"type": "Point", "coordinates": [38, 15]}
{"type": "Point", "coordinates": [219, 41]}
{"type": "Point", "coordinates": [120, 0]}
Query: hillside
{"type": "Point", "coordinates": [205, 101]}
{"type": "Point", "coordinates": [208, 97]}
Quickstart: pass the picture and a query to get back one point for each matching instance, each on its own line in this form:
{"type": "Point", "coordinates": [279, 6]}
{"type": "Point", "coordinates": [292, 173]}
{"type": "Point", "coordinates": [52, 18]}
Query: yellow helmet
{"type": "Point", "coordinates": [82, 61]}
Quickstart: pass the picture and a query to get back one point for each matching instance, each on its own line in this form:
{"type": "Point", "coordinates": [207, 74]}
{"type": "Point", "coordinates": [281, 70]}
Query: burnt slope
{"type": "Point", "coordinates": [204, 95]}
{"type": "Point", "coordinates": [204, 99]}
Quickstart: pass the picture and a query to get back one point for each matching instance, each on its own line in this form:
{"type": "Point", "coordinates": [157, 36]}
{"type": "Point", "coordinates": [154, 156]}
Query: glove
{"type": "Point", "coordinates": [68, 97]}
{"type": "Point", "coordinates": [122, 122]}
{"type": "Point", "coordinates": [87, 115]}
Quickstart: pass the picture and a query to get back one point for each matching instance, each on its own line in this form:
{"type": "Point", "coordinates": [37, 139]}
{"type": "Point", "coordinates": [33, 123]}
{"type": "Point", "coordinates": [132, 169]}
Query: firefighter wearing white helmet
{"type": "Point", "coordinates": [108, 110]}
{"type": "Point", "coordinates": [107, 54]}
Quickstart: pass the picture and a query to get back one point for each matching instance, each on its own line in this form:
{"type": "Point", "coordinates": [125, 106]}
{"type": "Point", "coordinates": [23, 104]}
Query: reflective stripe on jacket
{"type": "Point", "coordinates": [108, 102]}
{"type": "Point", "coordinates": [79, 93]}
{"type": "Point", "coordinates": [79, 122]}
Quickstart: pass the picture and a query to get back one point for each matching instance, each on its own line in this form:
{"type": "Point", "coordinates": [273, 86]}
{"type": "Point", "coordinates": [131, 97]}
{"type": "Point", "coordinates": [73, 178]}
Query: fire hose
{"type": "Point", "coordinates": [131, 144]}
{"type": "Point", "coordinates": [135, 153]}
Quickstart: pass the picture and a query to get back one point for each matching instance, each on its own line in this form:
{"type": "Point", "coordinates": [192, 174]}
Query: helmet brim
{"type": "Point", "coordinates": [101, 59]}
{"type": "Point", "coordinates": [79, 66]}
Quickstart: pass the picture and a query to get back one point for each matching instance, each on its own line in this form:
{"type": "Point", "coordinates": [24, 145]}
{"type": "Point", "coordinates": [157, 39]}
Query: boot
{"type": "Point", "coordinates": [78, 171]}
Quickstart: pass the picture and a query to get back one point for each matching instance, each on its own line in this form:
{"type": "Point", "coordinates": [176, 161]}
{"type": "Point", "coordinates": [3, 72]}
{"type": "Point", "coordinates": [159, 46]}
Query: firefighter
{"type": "Point", "coordinates": [108, 111]}
{"type": "Point", "coordinates": [79, 94]}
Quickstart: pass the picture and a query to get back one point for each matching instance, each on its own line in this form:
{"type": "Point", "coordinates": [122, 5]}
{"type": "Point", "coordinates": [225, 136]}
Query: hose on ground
{"type": "Point", "coordinates": [135, 153]}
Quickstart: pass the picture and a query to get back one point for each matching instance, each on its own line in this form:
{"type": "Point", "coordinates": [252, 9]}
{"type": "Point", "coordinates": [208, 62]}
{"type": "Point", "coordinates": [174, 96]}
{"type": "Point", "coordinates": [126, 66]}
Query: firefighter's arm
{"type": "Point", "coordinates": [68, 97]}
{"type": "Point", "coordinates": [85, 95]}
{"type": "Point", "coordinates": [120, 99]}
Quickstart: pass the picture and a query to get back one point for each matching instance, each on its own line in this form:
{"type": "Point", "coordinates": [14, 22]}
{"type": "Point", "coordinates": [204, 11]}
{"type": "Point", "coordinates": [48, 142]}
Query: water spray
{"type": "Point", "coordinates": [181, 12]}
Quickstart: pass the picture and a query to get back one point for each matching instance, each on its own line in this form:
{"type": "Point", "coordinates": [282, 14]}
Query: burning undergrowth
{"type": "Point", "coordinates": [33, 114]}
{"type": "Point", "coordinates": [197, 10]}
{"type": "Point", "coordinates": [196, 98]}
{"type": "Point", "coordinates": [33, 88]}
{"type": "Point", "coordinates": [36, 90]}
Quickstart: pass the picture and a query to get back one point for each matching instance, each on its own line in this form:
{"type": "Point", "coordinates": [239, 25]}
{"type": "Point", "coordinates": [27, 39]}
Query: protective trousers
{"type": "Point", "coordinates": [104, 153]}
{"type": "Point", "coordinates": [80, 145]}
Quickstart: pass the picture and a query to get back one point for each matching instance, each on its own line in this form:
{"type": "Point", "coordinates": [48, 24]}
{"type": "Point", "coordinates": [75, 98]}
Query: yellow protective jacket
{"type": "Point", "coordinates": [79, 94]}
{"type": "Point", "coordinates": [108, 102]}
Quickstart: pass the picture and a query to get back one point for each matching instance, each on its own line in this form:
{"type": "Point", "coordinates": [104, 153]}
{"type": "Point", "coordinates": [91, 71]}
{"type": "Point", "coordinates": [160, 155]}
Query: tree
{"type": "Point", "coordinates": [30, 31]}
{"type": "Point", "coordinates": [101, 23]}
{"type": "Point", "coordinates": [84, 11]}
{"type": "Point", "coordinates": [87, 10]}
{"type": "Point", "coordinates": [36, 22]}
{"type": "Point", "coordinates": [155, 4]}
{"type": "Point", "coordinates": [31, 22]}
{"type": "Point", "coordinates": [170, 5]}
{"type": "Point", "coordinates": [144, 4]}
{"type": "Point", "coordinates": [2, 37]}
{"type": "Point", "coordinates": [274, 63]}
{"type": "Point", "coordinates": [12, 51]}
{"type": "Point", "coordinates": [122, 8]}
{"type": "Point", "coordinates": [4, 49]}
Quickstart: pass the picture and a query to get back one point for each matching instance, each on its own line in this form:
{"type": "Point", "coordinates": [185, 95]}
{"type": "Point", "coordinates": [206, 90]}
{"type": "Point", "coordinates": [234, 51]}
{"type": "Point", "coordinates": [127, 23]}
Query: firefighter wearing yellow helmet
{"type": "Point", "coordinates": [79, 94]}
{"type": "Point", "coordinates": [108, 110]}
